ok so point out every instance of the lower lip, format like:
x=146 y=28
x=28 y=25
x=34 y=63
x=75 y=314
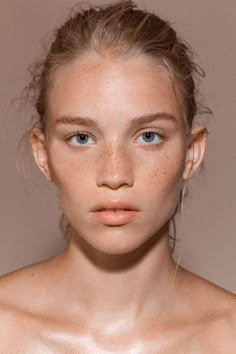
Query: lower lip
x=110 y=217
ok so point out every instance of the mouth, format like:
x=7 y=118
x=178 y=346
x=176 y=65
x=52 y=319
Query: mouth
x=115 y=213
x=115 y=217
x=115 y=206
x=114 y=210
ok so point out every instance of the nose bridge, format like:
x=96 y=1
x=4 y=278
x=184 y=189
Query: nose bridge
x=114 y=166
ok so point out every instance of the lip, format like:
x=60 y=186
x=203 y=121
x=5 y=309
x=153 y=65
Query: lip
x=115 y=204
x=109 y=217
x=118 y=217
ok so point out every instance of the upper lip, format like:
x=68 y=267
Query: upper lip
x=112 y=204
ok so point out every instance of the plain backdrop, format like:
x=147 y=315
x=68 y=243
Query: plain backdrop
x=29 y=212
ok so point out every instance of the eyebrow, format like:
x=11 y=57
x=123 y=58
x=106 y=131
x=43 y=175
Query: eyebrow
x=89 y=122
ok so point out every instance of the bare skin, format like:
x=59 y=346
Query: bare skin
x=115 y=289
x=33 y=321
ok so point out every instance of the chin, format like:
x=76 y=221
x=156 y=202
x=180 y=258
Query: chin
x=116 y=242
x=117 y=249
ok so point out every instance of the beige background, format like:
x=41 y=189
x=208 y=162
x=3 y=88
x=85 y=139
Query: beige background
x=28 y=208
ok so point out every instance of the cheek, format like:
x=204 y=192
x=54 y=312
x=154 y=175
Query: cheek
x=69 y=174
x=162 y=172
x=165 y=178
x=168 y=169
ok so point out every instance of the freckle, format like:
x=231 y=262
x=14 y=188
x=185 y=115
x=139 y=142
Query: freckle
x=154 y=174
x=32 y=275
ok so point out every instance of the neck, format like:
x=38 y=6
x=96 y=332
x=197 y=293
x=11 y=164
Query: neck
x=128 y=287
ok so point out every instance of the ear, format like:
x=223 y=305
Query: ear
x=195 y=151
x=38 y=144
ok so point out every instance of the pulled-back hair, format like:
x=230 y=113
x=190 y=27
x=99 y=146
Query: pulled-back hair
x=122 y=30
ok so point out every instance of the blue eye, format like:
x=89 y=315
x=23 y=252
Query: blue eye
x=149 y=137
x=82 y=139
x=79 y=139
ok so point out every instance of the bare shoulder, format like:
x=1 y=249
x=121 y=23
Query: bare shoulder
x=17 y=287
x=22 y=295
x=221 y=329
x=208 y=293
x=215 y=311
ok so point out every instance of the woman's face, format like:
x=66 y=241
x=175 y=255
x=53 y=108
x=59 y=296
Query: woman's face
x=117 y=157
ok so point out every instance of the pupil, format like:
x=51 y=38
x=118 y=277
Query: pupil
x=148 y=136
x=81 y=138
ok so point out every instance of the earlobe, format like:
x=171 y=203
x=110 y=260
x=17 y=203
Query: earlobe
x=40 y=152
x=195 y=151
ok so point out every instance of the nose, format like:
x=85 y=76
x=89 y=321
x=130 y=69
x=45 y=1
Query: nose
x=114 y=167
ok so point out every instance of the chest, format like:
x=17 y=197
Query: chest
x=84 y=343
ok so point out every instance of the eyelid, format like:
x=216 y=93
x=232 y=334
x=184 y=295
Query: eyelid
x=79 y=132
x=72 y=135
x=147 y=130
x=161 y=138
x=152 y=130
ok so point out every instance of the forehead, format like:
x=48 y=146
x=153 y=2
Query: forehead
x=105 y=88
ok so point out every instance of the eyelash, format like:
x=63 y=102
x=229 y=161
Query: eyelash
x=152 y=145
